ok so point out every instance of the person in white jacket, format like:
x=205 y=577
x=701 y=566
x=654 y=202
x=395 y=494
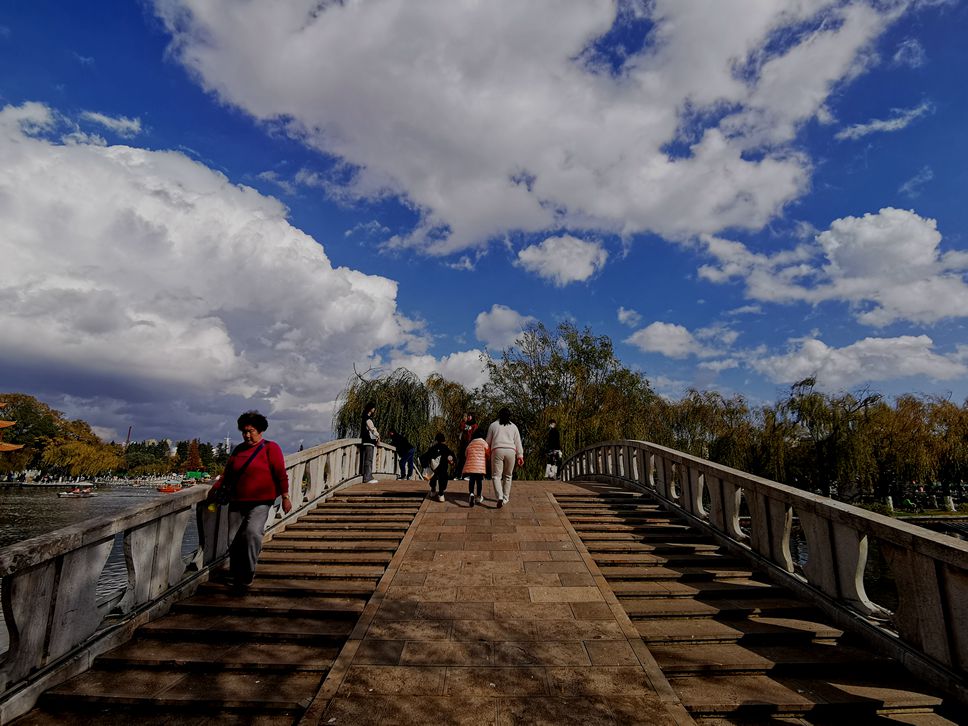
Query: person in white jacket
x=504 y=442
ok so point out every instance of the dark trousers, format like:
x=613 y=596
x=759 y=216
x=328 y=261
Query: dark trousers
x=406 y=464
x=440 y=477
x=475 y=480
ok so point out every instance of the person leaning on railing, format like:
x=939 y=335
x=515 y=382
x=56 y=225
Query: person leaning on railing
x=254 y=477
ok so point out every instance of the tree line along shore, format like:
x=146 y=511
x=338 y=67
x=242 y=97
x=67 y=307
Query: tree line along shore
x=858 y=446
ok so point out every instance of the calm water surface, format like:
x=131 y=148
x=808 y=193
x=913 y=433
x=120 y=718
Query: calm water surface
x=27 y=512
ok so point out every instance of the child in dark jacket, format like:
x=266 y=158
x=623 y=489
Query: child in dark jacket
x=440 y=475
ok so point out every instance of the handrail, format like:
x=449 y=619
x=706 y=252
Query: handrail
x=49 y=583
x=928 y=630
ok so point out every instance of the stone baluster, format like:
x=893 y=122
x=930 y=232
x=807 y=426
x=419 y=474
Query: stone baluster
x=838 y=557
x=927 y=592
x=692 y=491
x=771 y=522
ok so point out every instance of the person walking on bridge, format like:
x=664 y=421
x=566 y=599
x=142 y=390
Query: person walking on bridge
x=553 y=451
x=405 y=451
x=475 y=466
x=444 y=457
x=369 y=438
x=254 y=477
x=504 y=442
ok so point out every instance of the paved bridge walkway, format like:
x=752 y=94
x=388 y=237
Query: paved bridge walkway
x=574 y=604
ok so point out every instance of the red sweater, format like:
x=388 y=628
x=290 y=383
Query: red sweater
x=263 y=480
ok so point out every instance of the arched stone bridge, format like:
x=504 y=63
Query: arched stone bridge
x=647 y=587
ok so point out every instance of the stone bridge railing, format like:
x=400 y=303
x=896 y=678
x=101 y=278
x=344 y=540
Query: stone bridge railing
x=928 y=629
x=55 y=620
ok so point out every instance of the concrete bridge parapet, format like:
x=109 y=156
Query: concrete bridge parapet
x=927 y=631
x=55 y=621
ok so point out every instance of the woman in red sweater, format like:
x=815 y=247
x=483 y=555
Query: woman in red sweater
x=254 y=477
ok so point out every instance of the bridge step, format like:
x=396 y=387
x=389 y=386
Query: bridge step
x=836 y=699
x=161 y=654
x=215 y=604
x=713 y=590
x=257 y=658
x=718 y=659
x=682 y=574
x=760 y=630
x=336 y=557
x=736 y=648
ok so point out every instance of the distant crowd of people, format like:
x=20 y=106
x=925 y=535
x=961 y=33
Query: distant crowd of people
x=493 y=453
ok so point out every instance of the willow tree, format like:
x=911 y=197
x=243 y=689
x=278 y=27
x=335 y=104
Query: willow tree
x=449 y=401
x=948 y=426
x=77 y=451
x=836 y=429
x=570 y=376
x=403 y=403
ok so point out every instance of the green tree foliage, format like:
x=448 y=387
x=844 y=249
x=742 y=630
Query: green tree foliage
x=836 y=448
x=573 y=377
x=403 y=403
x=75 y=450
x=37 y=425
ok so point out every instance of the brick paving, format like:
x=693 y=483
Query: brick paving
x=494 y=616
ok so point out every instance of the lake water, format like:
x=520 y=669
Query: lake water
x=27 y=512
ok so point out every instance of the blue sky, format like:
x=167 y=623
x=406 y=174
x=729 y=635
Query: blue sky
x=207 y=206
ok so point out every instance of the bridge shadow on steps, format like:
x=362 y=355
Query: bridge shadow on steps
x=732 y=644
x=256 y=658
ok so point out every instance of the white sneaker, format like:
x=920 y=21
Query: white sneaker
x=373 y=481
x=470 y=500
x=507 y=499
x=480 y=500
x=440 y=498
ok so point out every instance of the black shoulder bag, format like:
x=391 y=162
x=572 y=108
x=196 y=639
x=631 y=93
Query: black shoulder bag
x=224 y=493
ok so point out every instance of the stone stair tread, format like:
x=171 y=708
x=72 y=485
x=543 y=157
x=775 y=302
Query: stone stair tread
x=300 y=526
x=337 y=535
x=330 y=546
x=686 y=539
x=328 y=558
x=698 y=658
x=669 y=528
x=226 y=689
x=118 y=715
x=313 y=568
x=269 y=602
x=151 y=653
x=254 y=625
x=689 y=608
x=702 y=589
x=631 y=546
x=744 y=693
x=362 y=587
x=658 y=572
x=700 y=559
x=756 y=628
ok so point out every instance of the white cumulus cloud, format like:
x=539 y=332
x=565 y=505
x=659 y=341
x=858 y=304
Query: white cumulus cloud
x=146 y=277
x=629 y=317
x=500 y=326
x=121 y=125
x=669 y=339
x=900 y=119
x=889 y=266
x=502 y=116
x=563 y=259
x=867 y=360
x=465 y=367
